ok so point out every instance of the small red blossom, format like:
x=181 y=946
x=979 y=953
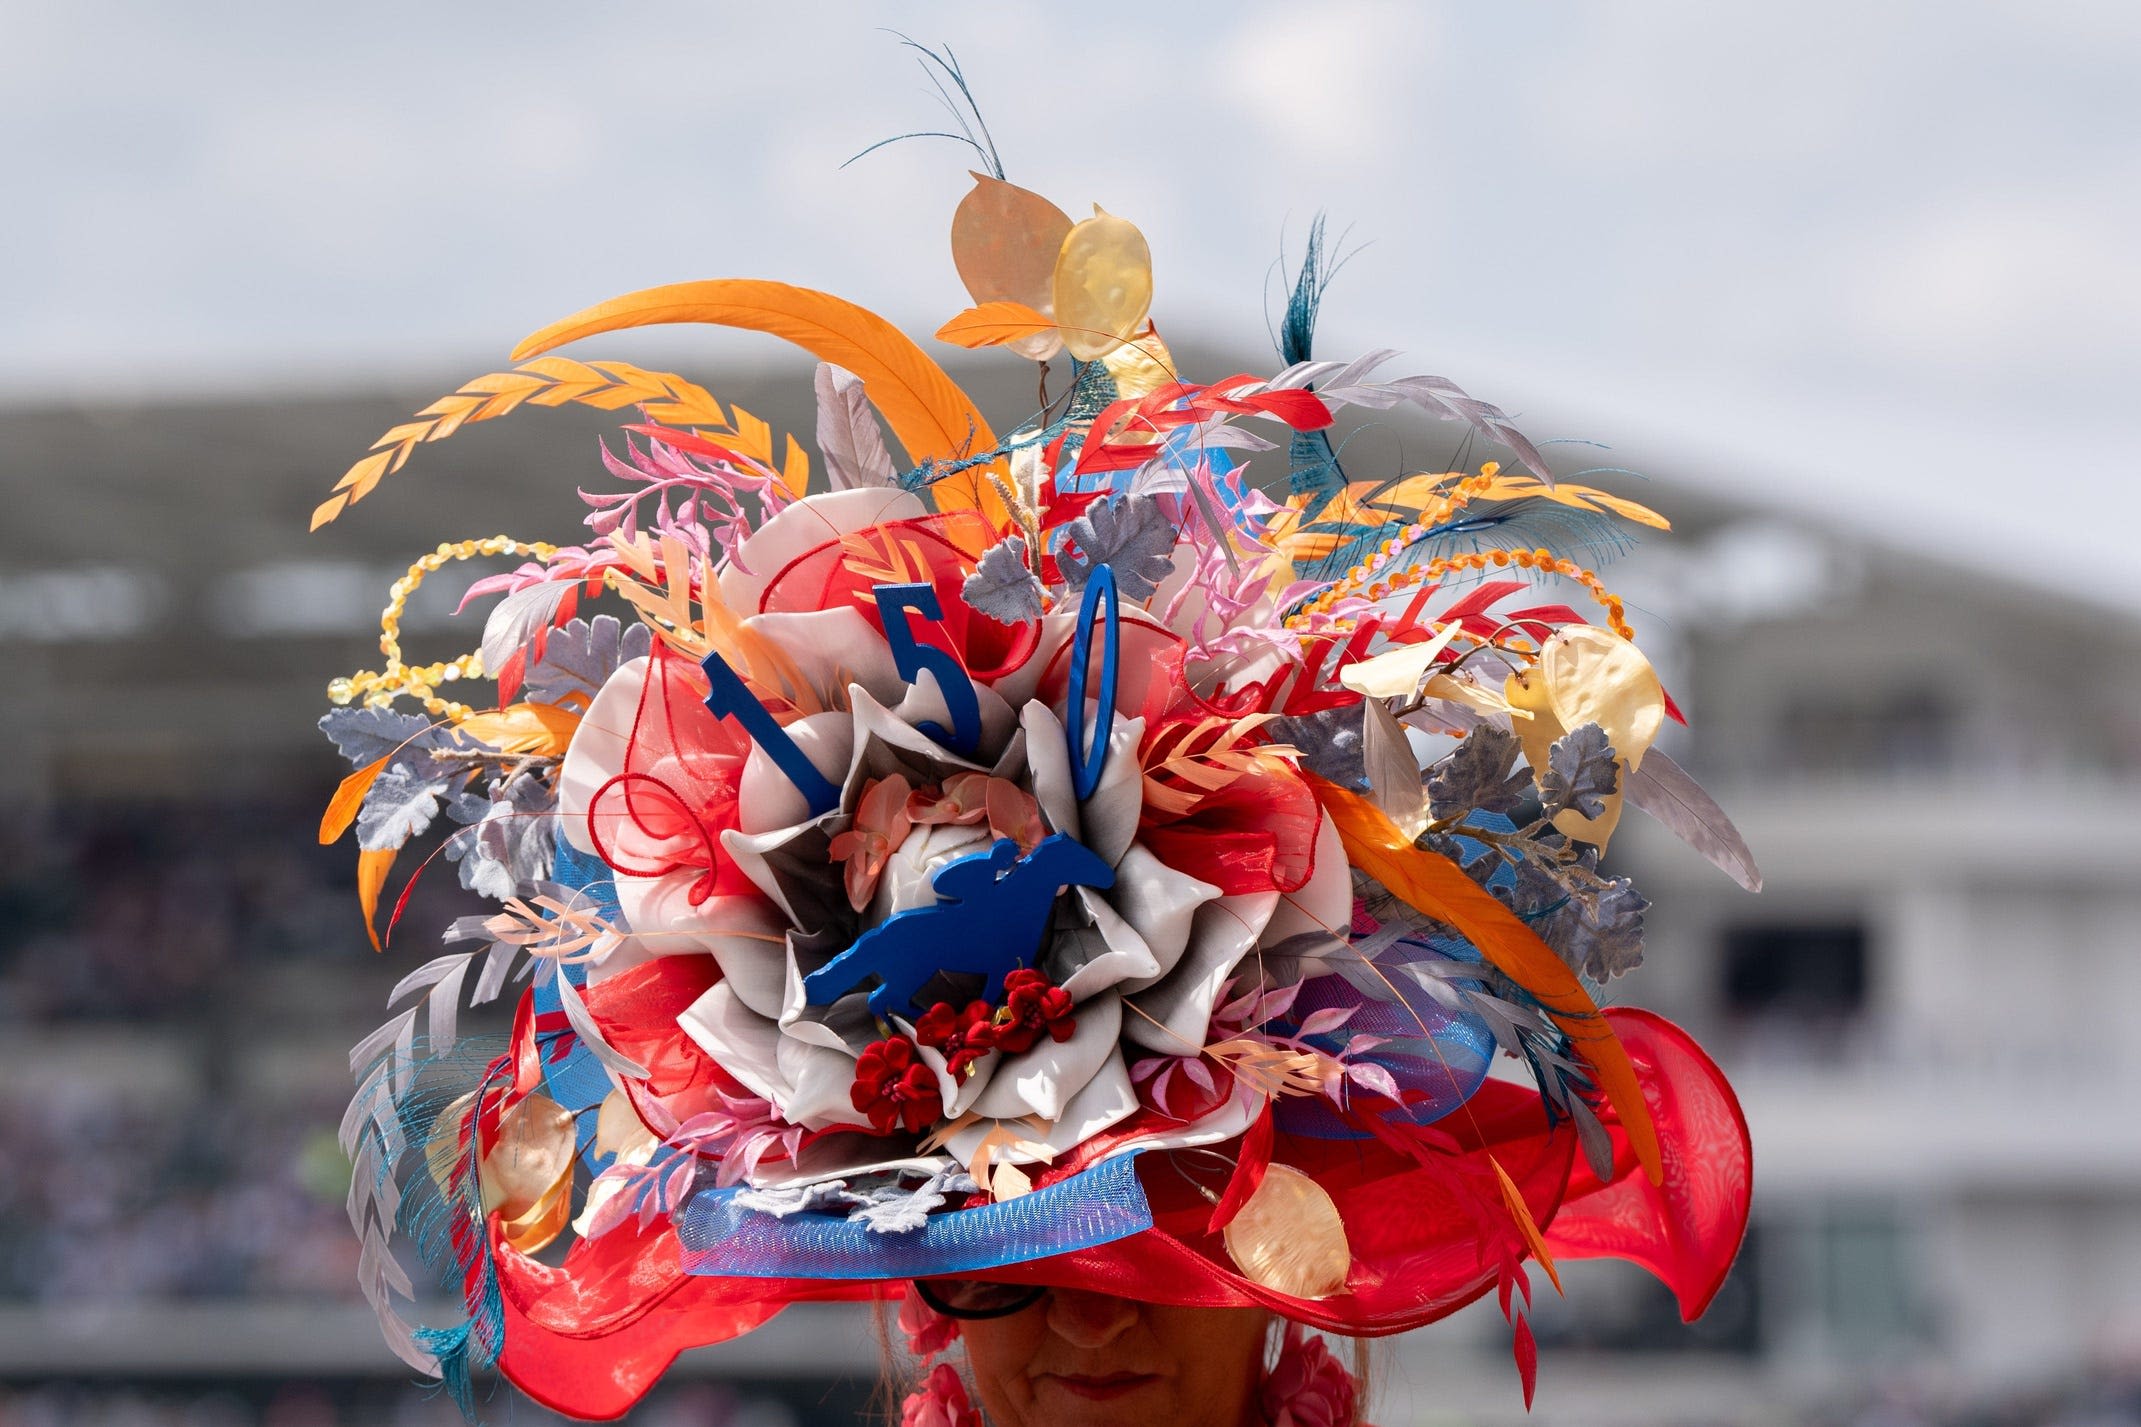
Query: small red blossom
x=1307 y=1386
x=894 y=1088
x=1032 y=1005
x=941 y=1401
x=961 y=1036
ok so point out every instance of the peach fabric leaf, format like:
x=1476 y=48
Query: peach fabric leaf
x=994 y=324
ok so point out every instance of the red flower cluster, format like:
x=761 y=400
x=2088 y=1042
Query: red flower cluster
x=1032 y=1005
x=962 y=1037
x=894 y=1088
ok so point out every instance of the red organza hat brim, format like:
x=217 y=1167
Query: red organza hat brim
x=588 y=1337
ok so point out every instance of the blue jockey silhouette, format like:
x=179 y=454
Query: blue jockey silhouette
x=995 y=911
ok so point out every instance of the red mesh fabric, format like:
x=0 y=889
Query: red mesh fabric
x=1687 y=1229
x=666 y=811
x=937 y=550
x=637 y=1012
x=1257 y=834
x=1254 y=833
x=589 y=1337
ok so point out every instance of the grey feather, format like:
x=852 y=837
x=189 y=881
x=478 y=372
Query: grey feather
x=1393 y=773
x=518 y=618
x=848 y=438
x=1664 y=789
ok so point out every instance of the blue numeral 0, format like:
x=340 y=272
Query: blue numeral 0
x=1089 y=754
x=728 y=697
x=911 y=656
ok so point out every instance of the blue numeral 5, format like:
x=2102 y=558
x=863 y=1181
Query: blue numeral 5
x=911 y=656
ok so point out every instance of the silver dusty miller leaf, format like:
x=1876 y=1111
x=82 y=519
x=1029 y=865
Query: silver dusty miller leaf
x=580 y=656
x=1131 y=535
x=403 y=800
x=1001 y=586
x=509 y=844
x=1477 y=776
x=1594 y=923
x=366 y=735
x=1580 y=773
x=827 y=1196
x=898 y=1209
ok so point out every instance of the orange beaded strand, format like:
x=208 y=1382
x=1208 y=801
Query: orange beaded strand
x=1388 y=584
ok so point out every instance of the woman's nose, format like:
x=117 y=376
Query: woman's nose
x=1089 y=1320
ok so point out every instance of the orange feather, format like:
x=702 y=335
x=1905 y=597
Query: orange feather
x=925 y=408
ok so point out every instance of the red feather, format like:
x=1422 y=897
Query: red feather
x=1527 y=1353
x=1248 y=1170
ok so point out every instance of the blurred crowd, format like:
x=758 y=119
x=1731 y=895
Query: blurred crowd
x=155 y=911
x=2112 y=1400
x=179 y=944
x=386 y=1404
x=104 y=1202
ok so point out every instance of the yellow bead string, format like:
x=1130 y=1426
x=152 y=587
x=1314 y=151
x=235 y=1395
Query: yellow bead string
x=397 y=679
x=1361 y=579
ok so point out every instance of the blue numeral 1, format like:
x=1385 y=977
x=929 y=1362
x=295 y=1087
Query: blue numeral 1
x=1089 y=755
x=911 y=656
x=728 y=697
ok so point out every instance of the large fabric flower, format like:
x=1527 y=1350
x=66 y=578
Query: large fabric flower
x=1141 y=962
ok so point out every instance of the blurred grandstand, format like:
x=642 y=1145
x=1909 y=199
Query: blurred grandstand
x=1926 y=1010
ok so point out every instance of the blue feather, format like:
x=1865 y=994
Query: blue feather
x=1313 y=470
x=443 y=1225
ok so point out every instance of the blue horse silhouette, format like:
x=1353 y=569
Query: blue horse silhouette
x=994 y=914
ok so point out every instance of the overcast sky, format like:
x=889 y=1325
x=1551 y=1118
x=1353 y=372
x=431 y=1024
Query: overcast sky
x=1876 y=257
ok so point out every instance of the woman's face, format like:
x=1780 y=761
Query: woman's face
x=1079 y=1359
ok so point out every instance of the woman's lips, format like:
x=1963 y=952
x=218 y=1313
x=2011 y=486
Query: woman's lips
x=1101 y=1388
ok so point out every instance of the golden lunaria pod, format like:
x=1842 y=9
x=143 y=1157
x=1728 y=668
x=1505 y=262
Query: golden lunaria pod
x=1595 y=676
x=527 y=1172
x=618 y=1128
x=1103 y=284
x=1004 y=242
x=1288 y=1237
x=544 y=1220
x=1585 y=674
x=1140 y=366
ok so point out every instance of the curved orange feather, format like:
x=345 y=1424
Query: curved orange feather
x=1438 y=887
x=925 y=408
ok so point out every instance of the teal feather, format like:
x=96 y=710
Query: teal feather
x=444 y=1227
x=1313 y=472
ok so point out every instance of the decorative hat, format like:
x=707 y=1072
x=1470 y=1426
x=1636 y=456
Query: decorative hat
x=1112 y=853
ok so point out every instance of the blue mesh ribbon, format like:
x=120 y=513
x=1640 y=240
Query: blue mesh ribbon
x=575 y=1079
x=722 y=1239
